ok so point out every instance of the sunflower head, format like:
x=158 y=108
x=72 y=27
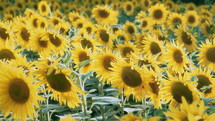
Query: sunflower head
x=158 y=13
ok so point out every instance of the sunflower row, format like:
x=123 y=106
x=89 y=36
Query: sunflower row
x=157 y=56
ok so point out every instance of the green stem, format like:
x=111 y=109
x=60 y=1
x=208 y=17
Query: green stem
x=122 y=104
x=101 y=93
x=84 y=97
x=144 y=107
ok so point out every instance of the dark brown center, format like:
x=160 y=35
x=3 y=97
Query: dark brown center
x=210 y=54
x=55 y=40
x=6 y=54
x=131 y=77
x=25 y=34
x=203 y=81
x=19 y=91
x=158 y=14
x=177 y=56
x=186 y=38
x=107 y=62
x=3 y=33
x=103 y=13
x=104 y=36
x=155 y=48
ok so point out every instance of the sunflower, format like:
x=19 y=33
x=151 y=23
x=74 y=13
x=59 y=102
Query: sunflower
x=79 y=55
x=175 y=19
x=170 y=4
x=85 y=42
x=158 y=13
x=8 y=53
x=146 y=23
x=22 y=34
x=208 y=29
x=80 y=23
x=176 y=58
x=103 y=62
x=143 y=61
x=126 y=49
x=58 y=82
x=153 y=94
x=43 y=8
x=129 y=78
x=132 y=117
x=204 y=79
x=18 y=94
x=175 y=87
x=73 y=16
x=192 y=18
x=104 y=37
x=104 y=15
x=206 y=56
x=42 y=22
x=5 y=34
x=58 y=42
x=39 y=41
x=191 y=6
x=55 y=21
x=153 y=47
x=140 y=16
x=146 y=4
x=130 y=28
x=88 y=28
x=187 y=39
x=139 y=40
x=189 y=112
x=34 y=21
x=206 y=14
x=128 y=7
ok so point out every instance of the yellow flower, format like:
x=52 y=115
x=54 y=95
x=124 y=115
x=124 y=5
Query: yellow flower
x=158 y=13
x=130 y=78
x=192 y=18
x=176 y=58
x=175 y=19
x=206 y=55
x=185 y=38
x=58 y=82
x=68 y=118
x=18 y=94
x=43 y=8
x=128 y=7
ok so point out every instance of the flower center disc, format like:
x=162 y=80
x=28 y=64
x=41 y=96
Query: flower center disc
x=144 y=23
x=58 y=81
x=131 y=77
x=177 y=55
x=103 y=13
x=155 y=48
x=43 y=8
x=25 y=34
x=178 y=90
x=6 y=54
x=107 y=62
x=126 y=51
x=131 y=29
x=19 y=91
x=177 y=21
x=3 y=33
x=104 y=36
x=54 y=40
x=158 y=14
x=128 y=8
x=185 y=38
x=191 y=19
x=86 y=43
x=210 y=54
x=203 y=81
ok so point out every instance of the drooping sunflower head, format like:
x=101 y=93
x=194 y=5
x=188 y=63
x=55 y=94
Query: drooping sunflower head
x=85 y=42
x=208 y=29
x=8 y=53
x=192 y=18
x=158 y=13
x=43 y=8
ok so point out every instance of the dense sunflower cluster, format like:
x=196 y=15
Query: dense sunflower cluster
x=151 y=50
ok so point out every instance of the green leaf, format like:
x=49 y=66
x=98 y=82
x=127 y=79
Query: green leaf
x=83 y=63
x=194 y=79
x=205 y=88
x=105 y=100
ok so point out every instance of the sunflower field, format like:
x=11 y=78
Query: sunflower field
x=107 y=60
